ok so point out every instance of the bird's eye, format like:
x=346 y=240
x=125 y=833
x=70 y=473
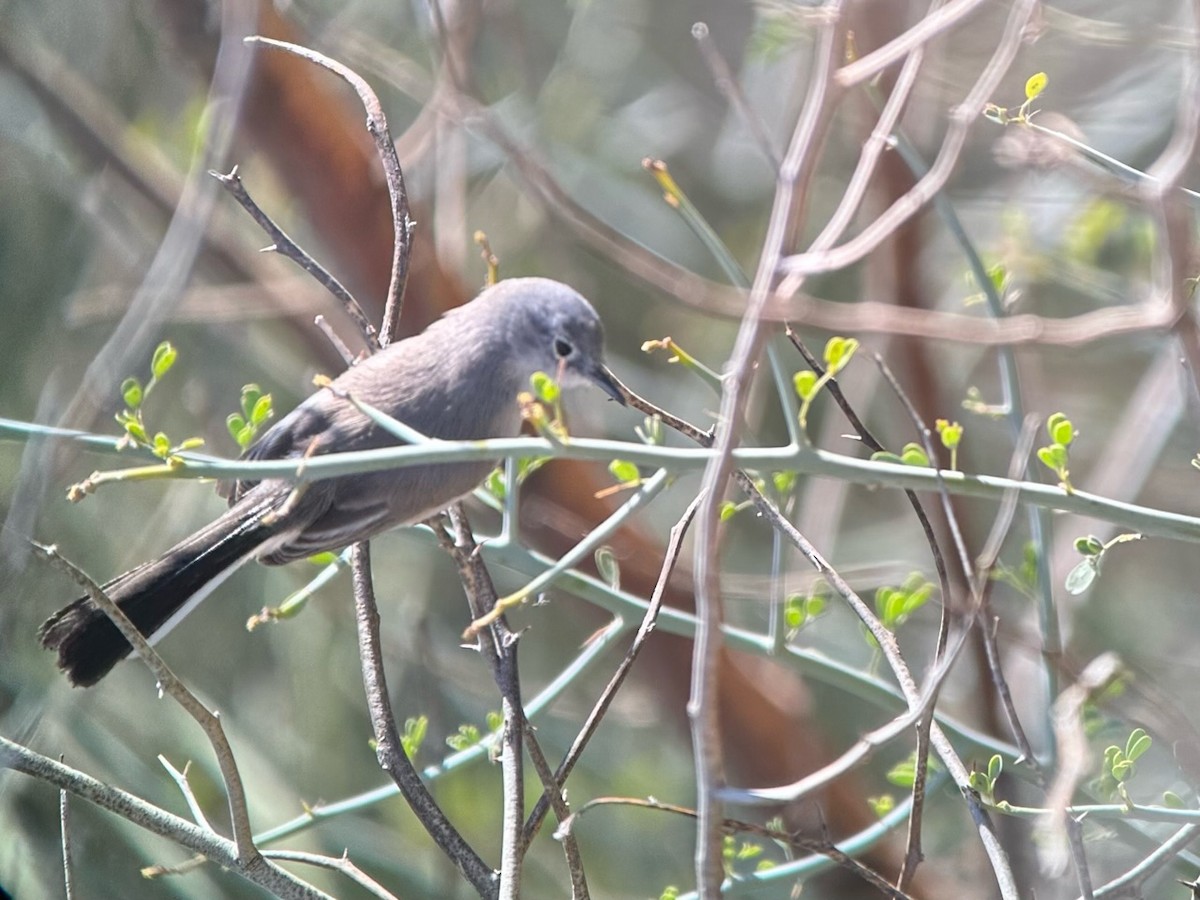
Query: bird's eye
x=563 y=348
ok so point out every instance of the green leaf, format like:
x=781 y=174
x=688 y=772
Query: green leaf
x=978 y=782
x=131 y=392
x=814 y=606
x=545 y=388
x=838 y=351
x=1080 y=578
x=324 y=558
x=162 y=444
x=1052 y=422
x=1138 y=743
x=805 y=383
x=245 y=437
x=1063 y=433
x=466 y=736
x=624 y=471
x=1172 y=800
x=1053 y=457
x=191 y=443
x=917 y=599
x=885 y=456
x=882 y=805
x=495 y=484
x=414 y=734
x=236 y=424
x=261 y=411
x=1035 y=85
x=950 y=433
x=250 y=395
x=494 y=719
x=606 y=565
x=136 y=431
x=164 y=358
x=784 y=482
x=995 y=767
x=914 y=455
x=1089 y=546
x=728 y=510
x=903 y=774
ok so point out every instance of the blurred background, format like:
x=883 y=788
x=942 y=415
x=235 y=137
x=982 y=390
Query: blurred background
x=529 y=120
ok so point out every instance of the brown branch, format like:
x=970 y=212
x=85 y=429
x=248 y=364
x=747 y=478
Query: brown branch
x=282 y=244
x=402 y=224
x=220 y=850
x=388 y=748
x=169 y=683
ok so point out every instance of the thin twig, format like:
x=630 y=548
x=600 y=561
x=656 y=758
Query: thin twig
x=218 y=849
x=728 y=85
x=558 y=802
x=829 y=259
x=736 y=826
x=388 y=747
x=64 y=825
x=340 y=864
x=377 y=127
x=500 y=654
x=793 y=176
x=185 y=788
x=334 y=339
x=209 y=721
x=670 y=557
x=282 y=244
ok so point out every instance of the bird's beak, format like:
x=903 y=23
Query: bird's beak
x=608 y=383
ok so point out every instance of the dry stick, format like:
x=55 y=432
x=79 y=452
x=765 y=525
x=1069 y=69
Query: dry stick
x=134 y=809
x=64 y=824
x=822 y=257
x=1004 y=520
x=929 y=27
x=340 y=864
x=1162 y=196
x=670 y=557
x=388 y=747
x=558 y=802
x=210 y=722
x=827 y=258
x=332 y=336
x=169 y=683
x=792 y=180
x=1073 y=765
x=402 y=224
x=864 y=316
x=913 y=854
x=729 y=87
x=502 y=661
x=908 y=687
x=983 y=565
x=733 y=826
x=282 y=244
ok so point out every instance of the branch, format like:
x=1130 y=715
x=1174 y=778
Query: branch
x=133 y=809
x=388 y=747
x=378 y=129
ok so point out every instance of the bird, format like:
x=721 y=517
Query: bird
x=457 y=380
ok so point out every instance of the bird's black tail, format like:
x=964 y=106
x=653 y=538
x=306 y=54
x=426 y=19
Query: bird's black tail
x=88 y=643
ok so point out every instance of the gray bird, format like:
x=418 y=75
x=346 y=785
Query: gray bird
x=457 y=380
